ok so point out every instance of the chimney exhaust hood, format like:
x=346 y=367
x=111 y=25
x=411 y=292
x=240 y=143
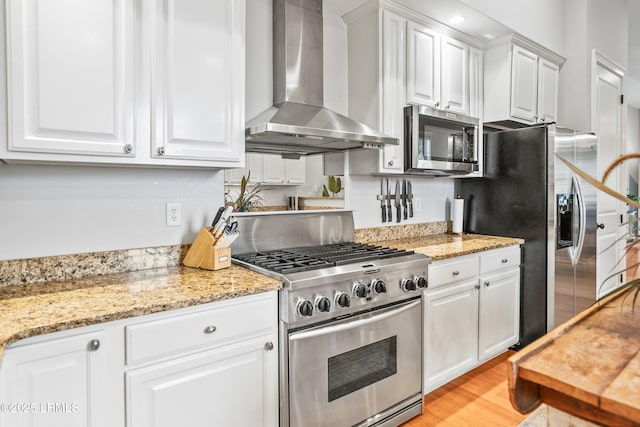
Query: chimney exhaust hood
x=298 y=124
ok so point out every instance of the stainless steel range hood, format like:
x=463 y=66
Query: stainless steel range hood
x=298 y=124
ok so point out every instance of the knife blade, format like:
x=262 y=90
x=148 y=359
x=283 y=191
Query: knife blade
x=410 y=198
x=398 y=200
x=404 y=199
x=389 y=209
x=383 y=201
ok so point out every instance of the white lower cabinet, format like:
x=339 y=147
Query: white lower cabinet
x=471 y=312
x=213 y=364
x=68 y=381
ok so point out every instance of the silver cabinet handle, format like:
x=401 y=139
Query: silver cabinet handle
x=504 y=261
x=477 y=287
x=455 y=273
x=128 y=148
x=268 y=346
x=390 y=163
x=448 y=106
x=210 y=329
x=600 y=226
x=486 y=284
x=94 y=345
x=161 y=151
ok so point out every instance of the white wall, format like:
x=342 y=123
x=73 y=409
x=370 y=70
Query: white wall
x=539 y=20
x=57 y=210
x=633 y=141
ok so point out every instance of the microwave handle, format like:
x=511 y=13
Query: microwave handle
x=352 y=324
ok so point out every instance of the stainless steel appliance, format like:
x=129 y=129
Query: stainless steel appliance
x=526 y=192
x=439 y=142
x=297 y=123
x=350 y=319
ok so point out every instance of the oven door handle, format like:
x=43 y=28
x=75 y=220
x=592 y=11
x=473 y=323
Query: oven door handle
x=352 y=324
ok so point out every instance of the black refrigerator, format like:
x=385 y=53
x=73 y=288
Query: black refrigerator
x=518 y=197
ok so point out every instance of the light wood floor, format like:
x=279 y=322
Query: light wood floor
x=479 y=398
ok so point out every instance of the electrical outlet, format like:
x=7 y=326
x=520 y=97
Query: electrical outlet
x=417 y=204
x=174 y=214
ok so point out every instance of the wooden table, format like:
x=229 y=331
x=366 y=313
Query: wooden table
x=588 y=367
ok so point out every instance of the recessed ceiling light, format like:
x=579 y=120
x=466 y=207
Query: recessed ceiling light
x=489 y=36
x=457 y=19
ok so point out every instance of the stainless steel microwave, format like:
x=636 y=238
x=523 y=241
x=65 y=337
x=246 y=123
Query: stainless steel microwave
x=439 y=142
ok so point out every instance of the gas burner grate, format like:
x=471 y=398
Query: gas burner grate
x=286 y=261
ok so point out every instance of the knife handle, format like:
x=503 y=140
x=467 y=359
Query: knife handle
x=410 y=210
x=398 y=212
x=406 y=211
x=384 y=214
x=389 y=216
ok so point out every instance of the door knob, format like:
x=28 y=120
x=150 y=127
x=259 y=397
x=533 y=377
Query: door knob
x=600 y=226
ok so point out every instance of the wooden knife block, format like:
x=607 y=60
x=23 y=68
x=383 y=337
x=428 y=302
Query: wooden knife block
x=203 y=255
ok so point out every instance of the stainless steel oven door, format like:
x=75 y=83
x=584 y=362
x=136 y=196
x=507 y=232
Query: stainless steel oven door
x=344 y=372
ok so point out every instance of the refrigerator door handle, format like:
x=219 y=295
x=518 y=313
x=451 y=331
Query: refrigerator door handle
x=576 y=251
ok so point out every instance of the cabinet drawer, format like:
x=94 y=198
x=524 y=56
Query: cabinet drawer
x=191 y=331
x=441 y=273
x=500 y=259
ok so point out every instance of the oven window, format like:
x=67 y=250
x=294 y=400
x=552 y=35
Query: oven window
x=361 y=367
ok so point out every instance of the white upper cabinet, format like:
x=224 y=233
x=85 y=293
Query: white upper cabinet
x=150 y=82
x=197 y=79
x=423 y=65
x=70 y=77
x=269 y=169
x=437 y=70
x=520 y=84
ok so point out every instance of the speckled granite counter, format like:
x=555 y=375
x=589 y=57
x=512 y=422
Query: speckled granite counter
x=31 y=310
x=442 y=246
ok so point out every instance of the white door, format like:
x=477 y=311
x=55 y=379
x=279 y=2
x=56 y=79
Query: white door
x=499 y=313
x=232 y=386
x=423 y=65
x=450 y=333
x=547 y=91
x=197 y=79
x=455 y=76
x=607 y=124
x=524 y=92
x=70 y=77
x=64 y=382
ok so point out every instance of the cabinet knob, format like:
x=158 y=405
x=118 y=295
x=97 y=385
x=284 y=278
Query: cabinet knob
x=600 y=226
x=210 y=329
x=504 y=261
x=477 y=287
x=486 y=284
x=455 y=273
x=390 y=163
x=161 y=151
x=128 y=148
x=448 y=106
x=94 y=345
x=268 y=346
x=437 y=104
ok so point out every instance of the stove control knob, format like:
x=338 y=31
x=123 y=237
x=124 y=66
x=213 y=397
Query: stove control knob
x=343 y=300
x=379 y=287
x=360 y=290
x=408 y=285
x=305 y=308
x=323 y=304
x=421 y=282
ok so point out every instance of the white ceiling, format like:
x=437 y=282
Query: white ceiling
x=478 y=25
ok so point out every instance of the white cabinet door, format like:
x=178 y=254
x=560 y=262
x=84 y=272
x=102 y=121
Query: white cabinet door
x=547 y=91
x=255 y=166
x=475 y=85
x=66 y=382
x=524 y=87
x=274 y=170
x=450 y=332
x=393 y=92
x=197 y=80
x=499 y=313
x=454 y=81
x=70 y=77
x=236 y=385
x=295 y=171
x=423 y=65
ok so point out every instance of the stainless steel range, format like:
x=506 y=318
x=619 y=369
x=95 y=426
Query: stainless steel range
x=350 y=319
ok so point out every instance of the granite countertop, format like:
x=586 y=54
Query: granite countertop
x=36 y=309
x=588 y=367
x=443 y=246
